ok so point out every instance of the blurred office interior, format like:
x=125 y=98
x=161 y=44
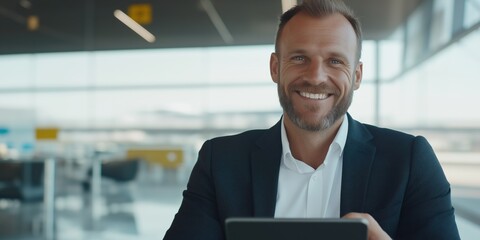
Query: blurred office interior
x=100 y=127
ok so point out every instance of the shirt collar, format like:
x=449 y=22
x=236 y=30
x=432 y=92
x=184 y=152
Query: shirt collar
x=292 y=163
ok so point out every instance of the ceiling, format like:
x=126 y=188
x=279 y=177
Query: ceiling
x=89 y=25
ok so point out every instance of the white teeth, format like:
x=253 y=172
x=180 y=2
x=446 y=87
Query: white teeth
x=316 y=96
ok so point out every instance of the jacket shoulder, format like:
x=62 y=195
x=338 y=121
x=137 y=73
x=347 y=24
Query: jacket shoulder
x=244 y=137
x=379 y=132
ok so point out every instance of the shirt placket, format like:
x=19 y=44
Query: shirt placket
x=314 y=194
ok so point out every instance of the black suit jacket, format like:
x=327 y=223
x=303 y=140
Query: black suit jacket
x=393 y=176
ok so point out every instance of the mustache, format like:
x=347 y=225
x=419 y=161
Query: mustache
x=320 y=88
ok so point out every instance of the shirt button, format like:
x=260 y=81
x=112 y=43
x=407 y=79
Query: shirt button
x=314 y=178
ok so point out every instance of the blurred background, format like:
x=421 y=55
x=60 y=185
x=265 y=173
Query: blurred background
x=105 y=104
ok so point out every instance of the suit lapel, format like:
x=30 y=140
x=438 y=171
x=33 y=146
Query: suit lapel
x=265 y=169
x=357 y=161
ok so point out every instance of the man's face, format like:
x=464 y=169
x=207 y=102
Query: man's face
x=316 y=69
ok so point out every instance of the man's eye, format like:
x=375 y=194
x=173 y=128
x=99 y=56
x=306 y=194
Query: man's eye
x=298 y=58
x=335 y=61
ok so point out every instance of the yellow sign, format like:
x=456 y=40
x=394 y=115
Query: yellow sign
x=46 y=133
x=140 y=13
x=167 y=158
x=33 y=22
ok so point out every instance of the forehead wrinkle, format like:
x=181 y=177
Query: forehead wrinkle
x=296 y=51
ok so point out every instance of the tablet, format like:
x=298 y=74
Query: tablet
x=295 y=228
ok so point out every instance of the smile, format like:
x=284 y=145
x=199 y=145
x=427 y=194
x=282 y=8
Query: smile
x=314 y=96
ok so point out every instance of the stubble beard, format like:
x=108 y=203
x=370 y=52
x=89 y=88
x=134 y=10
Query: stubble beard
x=322 y=123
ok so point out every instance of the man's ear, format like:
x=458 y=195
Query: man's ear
x=274 y=67
x=358 y=75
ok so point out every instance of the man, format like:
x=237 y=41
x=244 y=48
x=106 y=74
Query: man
x=318 y=161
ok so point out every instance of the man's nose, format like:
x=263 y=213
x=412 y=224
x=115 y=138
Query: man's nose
x=317 y=72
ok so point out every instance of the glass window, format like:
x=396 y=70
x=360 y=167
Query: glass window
x=472 y=13
x=64 y=108
x=440 y=92
x=369 y=61
x=391 y=55
x=363 y=103
x=416 y=35
x=239 y=64
x=442 y=21
x=16 y=71
x=152 y=67
x=61 y=69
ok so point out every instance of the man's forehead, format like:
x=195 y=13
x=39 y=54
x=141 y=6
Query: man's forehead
x=333 y=28
x=332 y=21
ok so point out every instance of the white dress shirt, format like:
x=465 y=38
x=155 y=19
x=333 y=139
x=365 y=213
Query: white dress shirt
x=304 y=192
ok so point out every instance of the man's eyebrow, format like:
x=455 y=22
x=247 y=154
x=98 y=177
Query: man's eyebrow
x=296 y=51
x=339 y=55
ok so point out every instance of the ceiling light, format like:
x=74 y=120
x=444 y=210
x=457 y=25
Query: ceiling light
x=125 y=19
x=33 y=23
x=217 y=21
x=25 y=4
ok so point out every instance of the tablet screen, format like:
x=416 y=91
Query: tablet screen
x=295 y=229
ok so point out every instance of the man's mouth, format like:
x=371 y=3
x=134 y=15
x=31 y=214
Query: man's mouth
x=314 y=96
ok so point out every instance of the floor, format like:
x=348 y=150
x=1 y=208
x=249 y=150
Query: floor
x=145 y=209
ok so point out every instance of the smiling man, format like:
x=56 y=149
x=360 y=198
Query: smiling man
x=317 y=161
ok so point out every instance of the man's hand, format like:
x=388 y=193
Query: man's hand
x=375 y=232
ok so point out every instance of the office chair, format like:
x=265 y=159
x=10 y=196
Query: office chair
x=120 y=171
x=117 y=176
x=21 y=181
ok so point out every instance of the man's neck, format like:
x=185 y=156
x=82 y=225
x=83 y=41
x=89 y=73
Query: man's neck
x=310 y=147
